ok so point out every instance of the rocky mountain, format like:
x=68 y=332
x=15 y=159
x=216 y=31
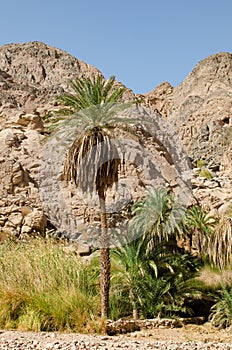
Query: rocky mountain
x=199 y=111
x=201 y=107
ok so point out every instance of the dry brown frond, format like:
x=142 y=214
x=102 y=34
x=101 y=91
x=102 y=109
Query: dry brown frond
x=92 y=161
x=220 y=248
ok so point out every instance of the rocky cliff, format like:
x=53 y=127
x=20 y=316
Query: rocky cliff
x=33 y=74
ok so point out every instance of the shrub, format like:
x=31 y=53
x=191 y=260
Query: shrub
x=200 y=163
x=205 y=173
x=152 y=282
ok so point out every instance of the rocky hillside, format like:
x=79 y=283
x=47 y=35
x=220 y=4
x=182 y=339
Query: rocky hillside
x=33 y=74
x=200 y=109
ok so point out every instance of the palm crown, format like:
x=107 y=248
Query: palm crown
x=90 y=92
x=92 y=161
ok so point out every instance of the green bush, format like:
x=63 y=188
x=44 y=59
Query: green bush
x=154 y=282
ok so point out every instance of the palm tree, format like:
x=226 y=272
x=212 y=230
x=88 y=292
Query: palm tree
x=198 y=225
x=136 y=266
x=152 y=227
x=157 y=218
x=156 y=281
x=92 y=161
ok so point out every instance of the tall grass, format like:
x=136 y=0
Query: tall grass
x=42 y=288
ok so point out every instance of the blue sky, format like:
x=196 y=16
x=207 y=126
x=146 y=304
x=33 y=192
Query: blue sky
x=142 y=43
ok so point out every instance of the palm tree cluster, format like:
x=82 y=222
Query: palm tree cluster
x=156 y=273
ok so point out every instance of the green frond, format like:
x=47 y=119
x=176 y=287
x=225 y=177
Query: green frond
x=91 y=92
x=116 y=95
x=157 y=216
x=107 y=87
x=221 y=312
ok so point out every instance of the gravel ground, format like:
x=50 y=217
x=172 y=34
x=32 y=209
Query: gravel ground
x=172 y=339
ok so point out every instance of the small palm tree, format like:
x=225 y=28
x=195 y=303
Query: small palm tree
x=157 y=218
x=153 y=227
x=92 y=161
x=199 y=225
x=157 y=281
x=135 y=265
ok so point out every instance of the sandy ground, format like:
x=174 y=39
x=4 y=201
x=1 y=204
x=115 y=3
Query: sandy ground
x=194 y=333
x=187 y=337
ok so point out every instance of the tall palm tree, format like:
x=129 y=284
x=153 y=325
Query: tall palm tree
x=92 y=161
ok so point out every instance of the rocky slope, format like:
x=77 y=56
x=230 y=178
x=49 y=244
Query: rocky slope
x=200 y=109
x=33 y=74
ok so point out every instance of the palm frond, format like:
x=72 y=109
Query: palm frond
x=91 y=92
x=221 y=312
x=92 y=162
x=201 y=225
x=157 y=216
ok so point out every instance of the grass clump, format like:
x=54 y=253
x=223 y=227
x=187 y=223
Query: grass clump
x=42 y=288
x=203 y=171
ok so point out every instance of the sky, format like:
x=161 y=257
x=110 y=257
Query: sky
x=143 y=43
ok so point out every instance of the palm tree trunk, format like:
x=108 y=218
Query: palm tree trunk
x=135 y=310
x=104 y=259
x=135 y=313
x=189 y=242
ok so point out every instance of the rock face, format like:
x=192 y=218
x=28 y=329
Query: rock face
x=33 y=74
x=201 y=111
